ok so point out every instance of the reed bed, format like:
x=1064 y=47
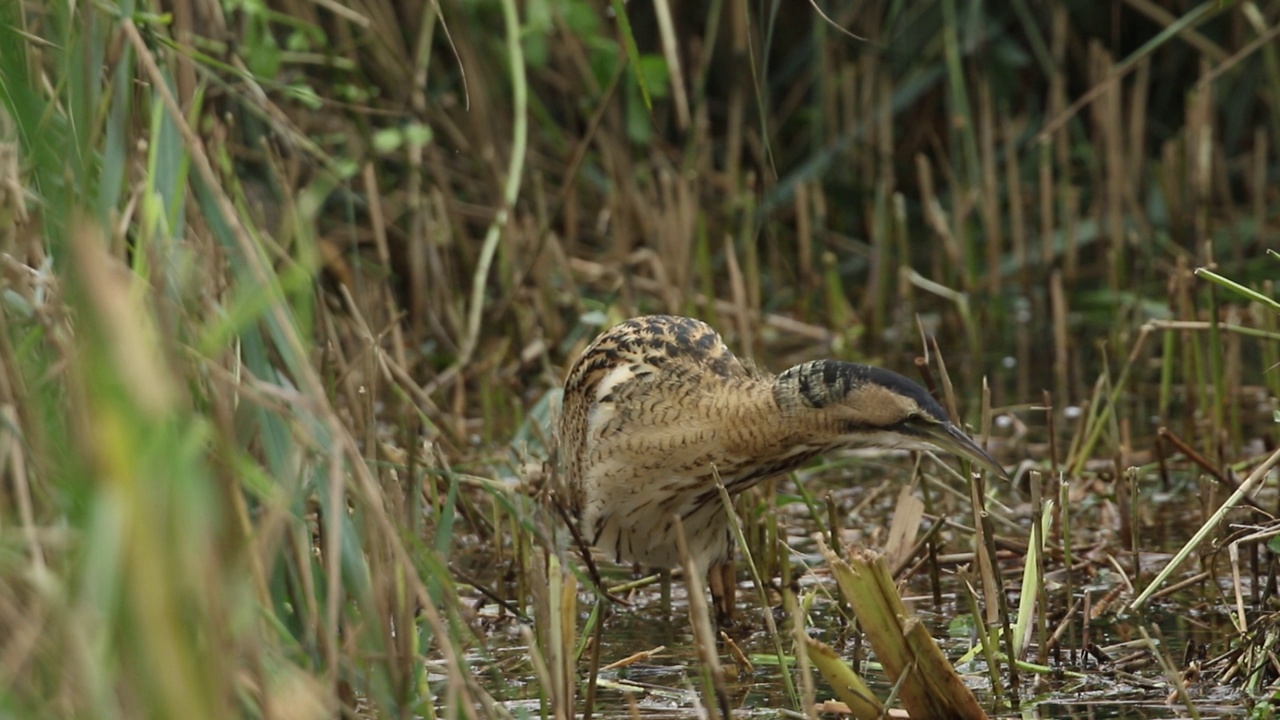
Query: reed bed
x=289 y=287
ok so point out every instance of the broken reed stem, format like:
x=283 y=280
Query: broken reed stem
x=1002 y=607
x=983 y=550
x=799 y=635
x=1041 y=542
x=564 y=618
x=929 y=685
x=1167 y=435
x=510 y=194
x=1068 y=559
x=700 y=620
x=1105 y=412
x=1030 y=592
x=736 y=528
x=983 y=632
x=1170 y=673
x=593 y=673
x=1246 y=488
x=1122 y=68
x=847 y=684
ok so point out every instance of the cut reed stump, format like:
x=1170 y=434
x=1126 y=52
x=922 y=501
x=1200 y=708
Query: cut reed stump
x=926 y=682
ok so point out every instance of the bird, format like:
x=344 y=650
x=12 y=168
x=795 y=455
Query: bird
x=657 y=407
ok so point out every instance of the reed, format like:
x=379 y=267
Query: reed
x=288 y=288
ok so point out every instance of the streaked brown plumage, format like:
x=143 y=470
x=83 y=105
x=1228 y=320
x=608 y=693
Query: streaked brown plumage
x=657 y=404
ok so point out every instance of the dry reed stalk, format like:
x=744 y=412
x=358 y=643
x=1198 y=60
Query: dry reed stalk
x=1115 y=175
x=992 y=224
x=805 y=273
x=928 y=685
x=700 y=621
x=849 y=687
x=903 y=528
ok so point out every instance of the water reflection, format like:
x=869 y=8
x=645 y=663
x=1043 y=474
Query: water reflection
x=1131 y=684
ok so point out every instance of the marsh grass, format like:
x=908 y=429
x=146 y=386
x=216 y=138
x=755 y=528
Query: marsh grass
x=288 y=288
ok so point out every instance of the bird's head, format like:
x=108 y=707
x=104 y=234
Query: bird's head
x=873 y=407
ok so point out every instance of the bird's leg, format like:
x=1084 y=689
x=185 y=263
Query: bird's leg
x=722 y=579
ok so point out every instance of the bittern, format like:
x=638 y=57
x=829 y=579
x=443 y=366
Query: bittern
x=657 y=406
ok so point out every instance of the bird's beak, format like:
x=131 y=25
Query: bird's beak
x=946 y=436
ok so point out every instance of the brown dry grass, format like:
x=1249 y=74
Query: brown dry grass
x=281 y=324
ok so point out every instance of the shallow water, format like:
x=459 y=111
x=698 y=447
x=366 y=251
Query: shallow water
x=864 y=488
x=668 y=684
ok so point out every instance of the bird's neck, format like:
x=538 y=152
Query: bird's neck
x=781 y=416
x=760 y=438
x=813 y=400
x=814 y=385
